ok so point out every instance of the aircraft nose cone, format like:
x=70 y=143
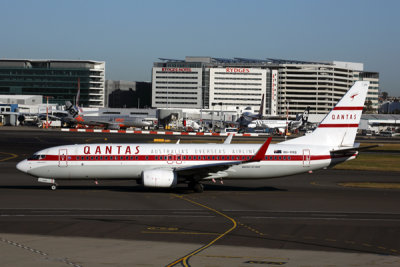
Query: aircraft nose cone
x=23 y=166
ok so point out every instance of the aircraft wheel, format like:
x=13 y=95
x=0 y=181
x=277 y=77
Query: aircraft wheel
x=198 y=188
x=53 y=187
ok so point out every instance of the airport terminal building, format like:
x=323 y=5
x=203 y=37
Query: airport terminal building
x=234 y=84
x=57 y=79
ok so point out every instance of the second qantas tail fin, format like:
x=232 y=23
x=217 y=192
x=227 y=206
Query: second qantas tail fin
x=339 y=127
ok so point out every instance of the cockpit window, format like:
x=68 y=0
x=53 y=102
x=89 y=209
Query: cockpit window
x=33 y=157
x=36 y=157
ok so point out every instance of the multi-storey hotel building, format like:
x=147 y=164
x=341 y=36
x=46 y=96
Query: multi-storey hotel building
x=178 y=86
x=287 y=85
x=373 y=89
x=57 y=79
x=237 y=86
x=318 y=85
x=204 y=82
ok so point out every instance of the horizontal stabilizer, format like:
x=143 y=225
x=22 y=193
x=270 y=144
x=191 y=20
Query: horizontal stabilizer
x=350 y=151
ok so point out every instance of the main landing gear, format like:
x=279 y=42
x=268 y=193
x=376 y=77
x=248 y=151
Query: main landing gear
x=196 y=187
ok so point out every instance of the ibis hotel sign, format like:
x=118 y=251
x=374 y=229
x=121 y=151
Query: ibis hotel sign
x=176 y=69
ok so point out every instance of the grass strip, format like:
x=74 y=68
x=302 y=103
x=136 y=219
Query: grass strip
x=372 y=162
x=371 y=185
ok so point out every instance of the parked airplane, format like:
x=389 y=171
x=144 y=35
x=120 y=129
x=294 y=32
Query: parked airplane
x=281 y=125
x=111 y=122
x=30 y=118
x=166 y=165
x=249 y=116
x=256 y=120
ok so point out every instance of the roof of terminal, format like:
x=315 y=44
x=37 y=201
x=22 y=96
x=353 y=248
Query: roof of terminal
x=250 y=60
x=381 y=116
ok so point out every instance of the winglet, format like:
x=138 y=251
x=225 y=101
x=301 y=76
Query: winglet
x=261 y=152
x=228 y=139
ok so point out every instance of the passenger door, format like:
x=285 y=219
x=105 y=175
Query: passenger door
x=62 y=158
x=306 y=157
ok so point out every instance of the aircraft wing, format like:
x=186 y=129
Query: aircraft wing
x=199 y=172
x=107 y=124
x=202 y=171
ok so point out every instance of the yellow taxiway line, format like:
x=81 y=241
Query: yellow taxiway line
x=13 y=156
x=184 y=260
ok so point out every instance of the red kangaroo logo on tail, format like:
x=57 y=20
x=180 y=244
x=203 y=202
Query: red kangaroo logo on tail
x=353 y=96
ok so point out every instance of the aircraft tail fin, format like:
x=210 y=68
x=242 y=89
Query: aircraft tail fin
x=71 y=109
x=304 y=116
x=78 y=96
x=74 y=110
x=339 y=127
x=261 y=111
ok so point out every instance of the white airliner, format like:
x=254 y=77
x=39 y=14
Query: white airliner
x=166 y=165
x=281 y=125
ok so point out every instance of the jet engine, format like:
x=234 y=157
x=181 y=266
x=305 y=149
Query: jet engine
x=159 y=178
x=113 y=126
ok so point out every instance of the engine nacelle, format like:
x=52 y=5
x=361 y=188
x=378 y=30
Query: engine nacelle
x=159 y=178
x=113 y=126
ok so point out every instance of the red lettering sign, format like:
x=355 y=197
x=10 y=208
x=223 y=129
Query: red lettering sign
x=176 y=69
x=237 y=70
x=344 y=116
x=108 y=150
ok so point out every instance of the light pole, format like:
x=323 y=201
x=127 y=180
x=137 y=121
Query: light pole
x=287 y=119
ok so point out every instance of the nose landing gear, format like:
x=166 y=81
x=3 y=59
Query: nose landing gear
x=48 y=181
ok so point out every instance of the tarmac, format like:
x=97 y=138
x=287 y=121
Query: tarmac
x=302 y=220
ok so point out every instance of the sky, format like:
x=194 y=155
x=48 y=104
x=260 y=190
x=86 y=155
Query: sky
x=130 y=35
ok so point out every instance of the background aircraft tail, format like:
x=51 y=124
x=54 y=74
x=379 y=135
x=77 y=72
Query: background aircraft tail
x=304 y=116
x=72 y=110
x=339 y=127
x=261 y=111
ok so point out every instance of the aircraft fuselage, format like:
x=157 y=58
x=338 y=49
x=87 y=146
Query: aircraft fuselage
x=128 y=161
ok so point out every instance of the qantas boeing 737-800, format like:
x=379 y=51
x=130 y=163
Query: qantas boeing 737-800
x=166 y=165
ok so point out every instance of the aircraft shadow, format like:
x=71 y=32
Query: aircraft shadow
x=141 y=189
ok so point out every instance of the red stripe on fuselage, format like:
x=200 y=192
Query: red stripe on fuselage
x=348 y=108
x=188 y=158
x=343 y=125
